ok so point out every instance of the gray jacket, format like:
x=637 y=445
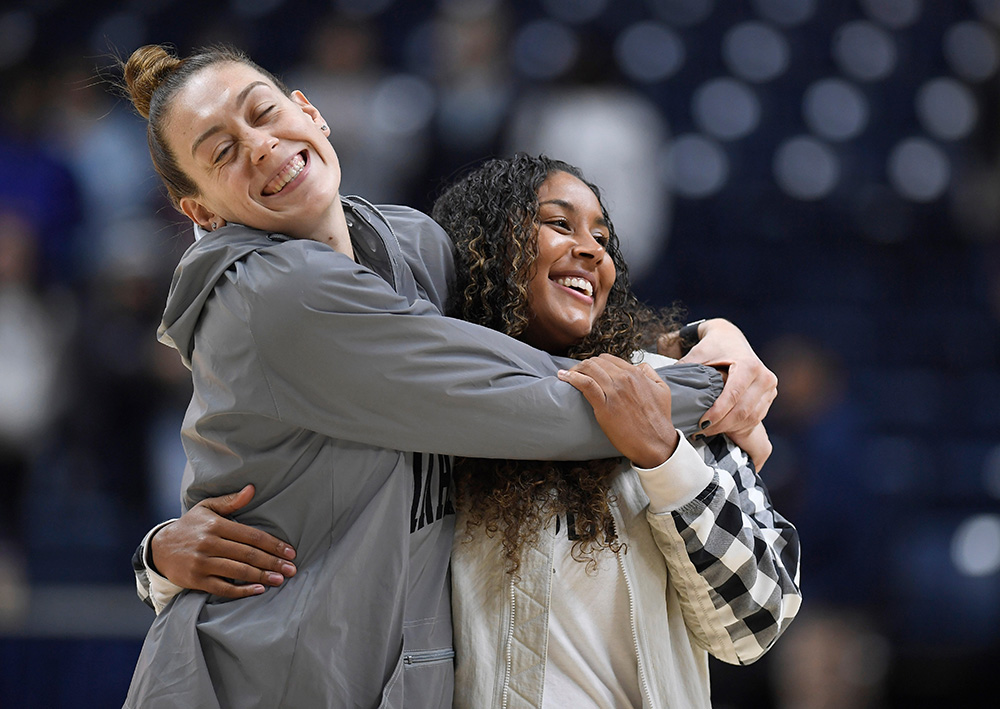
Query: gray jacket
x=322 y=381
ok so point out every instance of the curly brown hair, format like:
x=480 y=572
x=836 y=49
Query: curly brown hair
x=491 y=215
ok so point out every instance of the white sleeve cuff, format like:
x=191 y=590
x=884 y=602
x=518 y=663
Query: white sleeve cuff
x=161 y=590
x=678 y=480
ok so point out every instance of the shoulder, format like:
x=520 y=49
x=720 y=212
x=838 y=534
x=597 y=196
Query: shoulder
x=415 y=230
x=294 y=275
x=426 y=248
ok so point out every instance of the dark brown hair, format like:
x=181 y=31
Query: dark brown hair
x=152 y=76
x=491 y=215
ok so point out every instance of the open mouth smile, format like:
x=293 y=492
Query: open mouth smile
x=292 y=169
x=578 y=285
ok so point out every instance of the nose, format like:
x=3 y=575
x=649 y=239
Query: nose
x=261 y=145
x=589 y=248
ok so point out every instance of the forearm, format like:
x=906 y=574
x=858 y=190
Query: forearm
x=730 y=538
x=352 y=359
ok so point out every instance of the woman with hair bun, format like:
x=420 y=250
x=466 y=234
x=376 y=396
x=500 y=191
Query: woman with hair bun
x=323 y=374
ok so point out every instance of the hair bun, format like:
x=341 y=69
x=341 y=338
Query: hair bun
x=144 y=71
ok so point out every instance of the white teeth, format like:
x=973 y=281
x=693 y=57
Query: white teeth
x=291 y=171
x=580 y=284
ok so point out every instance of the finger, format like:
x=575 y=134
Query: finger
x=651 y=374
x=754 y=442
x=229 y=569
x=231 y=530
x=716 y=420
x=248 y=556
x=604 y=370
x=586 y=385
x=228 y=504
x=227 y=589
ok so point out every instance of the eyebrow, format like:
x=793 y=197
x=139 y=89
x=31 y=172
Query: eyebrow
x=240 y=98
x=601 y=221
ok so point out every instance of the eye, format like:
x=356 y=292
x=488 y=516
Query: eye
x=220 y=157
x=602 y=239
x=263 y=114
x=559 y=222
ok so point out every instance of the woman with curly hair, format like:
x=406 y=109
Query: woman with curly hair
x=596 y=583
x=616 y=581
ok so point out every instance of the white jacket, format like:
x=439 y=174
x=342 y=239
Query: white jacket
x=678 y=567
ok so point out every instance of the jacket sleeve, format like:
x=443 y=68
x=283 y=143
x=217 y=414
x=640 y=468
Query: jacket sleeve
x=343 y=354
x=154 y=590
x=732 y=558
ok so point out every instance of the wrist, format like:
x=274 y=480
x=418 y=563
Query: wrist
x=690 y=335
x=151 y=545
x=658 y=455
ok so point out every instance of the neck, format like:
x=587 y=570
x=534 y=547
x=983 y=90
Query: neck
x=335 y=233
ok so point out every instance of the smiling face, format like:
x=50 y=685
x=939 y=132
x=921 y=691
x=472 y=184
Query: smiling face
x=573 y=274
x=258 y=157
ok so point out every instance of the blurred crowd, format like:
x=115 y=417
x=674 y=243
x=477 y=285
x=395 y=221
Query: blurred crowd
x=858 y=248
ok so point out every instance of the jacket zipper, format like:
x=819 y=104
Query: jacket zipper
x=424 y=657
x=635 y=635
x=509 y=643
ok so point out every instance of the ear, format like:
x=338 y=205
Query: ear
x=200 y=214
x=302 y=102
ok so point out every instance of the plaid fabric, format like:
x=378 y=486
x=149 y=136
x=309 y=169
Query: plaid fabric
x=730 y=545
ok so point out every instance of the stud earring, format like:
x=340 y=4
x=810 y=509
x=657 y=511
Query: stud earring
x=324 y=128
x=215 y=225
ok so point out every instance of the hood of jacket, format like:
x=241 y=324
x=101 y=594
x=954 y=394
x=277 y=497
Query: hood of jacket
x=200 y=268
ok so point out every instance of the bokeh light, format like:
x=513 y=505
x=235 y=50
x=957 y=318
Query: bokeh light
x=544 y=49
x=695 y=166
x=893 y=13
x=835 y=109
x=649 y=51
x=864 y=51
x=975 y=548
x=971 y=50
x=726 y=108
x=806 y=168
x=403 y=104
x=919 y=170
x=755 y=51
x=946 y=108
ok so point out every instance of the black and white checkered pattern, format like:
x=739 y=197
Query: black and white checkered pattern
x=744 y=555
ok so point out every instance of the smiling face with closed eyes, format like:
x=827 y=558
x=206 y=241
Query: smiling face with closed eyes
x=573 y=274
x=258 y=156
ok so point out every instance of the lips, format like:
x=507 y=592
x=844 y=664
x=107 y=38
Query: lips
x=576 y=283
x=291 y=169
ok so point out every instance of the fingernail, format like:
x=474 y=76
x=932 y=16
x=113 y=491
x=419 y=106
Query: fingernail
x=288 y=552
x=257 y=589
x=288 y=569
x=705 y=424
x=275 y=579
x=697 y=437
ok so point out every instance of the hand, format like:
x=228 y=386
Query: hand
x=632 y=405
x=749 y=389
x=205 y=551
x=755 y=443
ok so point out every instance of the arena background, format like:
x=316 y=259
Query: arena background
x=824 y=174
